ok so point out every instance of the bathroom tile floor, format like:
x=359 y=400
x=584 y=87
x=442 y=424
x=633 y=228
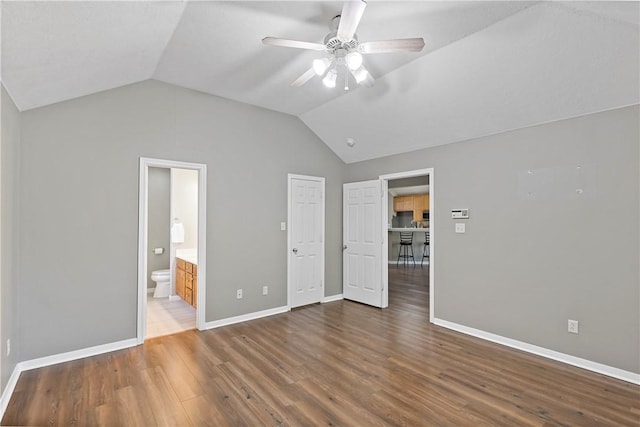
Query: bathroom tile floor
x=166 y=317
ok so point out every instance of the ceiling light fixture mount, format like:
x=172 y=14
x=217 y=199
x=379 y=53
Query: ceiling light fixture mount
x=343 y=58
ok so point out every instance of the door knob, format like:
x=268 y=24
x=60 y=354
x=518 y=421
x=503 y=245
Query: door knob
x=295 y=250
x=344 y=247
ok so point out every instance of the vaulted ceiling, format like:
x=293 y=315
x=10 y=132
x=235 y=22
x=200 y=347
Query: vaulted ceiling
x=487 y=67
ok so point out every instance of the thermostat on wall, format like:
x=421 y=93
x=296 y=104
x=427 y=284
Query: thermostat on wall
x=459 y=213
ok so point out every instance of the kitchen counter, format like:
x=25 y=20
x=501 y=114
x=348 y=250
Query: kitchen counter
x=411 y=230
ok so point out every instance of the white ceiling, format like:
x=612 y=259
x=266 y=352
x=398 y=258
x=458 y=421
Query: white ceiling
x=487 y=67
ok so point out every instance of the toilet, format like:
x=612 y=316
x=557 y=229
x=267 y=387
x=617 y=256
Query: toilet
x=163 y=283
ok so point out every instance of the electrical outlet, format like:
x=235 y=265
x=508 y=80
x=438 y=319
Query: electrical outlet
x=572 y=326
x=8 y=346
x=239 y=294
x=265 y=290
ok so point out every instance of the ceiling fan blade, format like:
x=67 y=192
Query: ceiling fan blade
x=350 y=18
x=391 y=46
x=274 y=41
x=304 y=78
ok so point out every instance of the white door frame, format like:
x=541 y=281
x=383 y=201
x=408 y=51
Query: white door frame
x=143 y=206
x=321 y=180
x=385 y=233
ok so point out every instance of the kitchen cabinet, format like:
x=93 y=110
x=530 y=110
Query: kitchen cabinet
x=417 y=215
x=403 y=203
x=416 y=204
x=420 y=204
x=187 y=281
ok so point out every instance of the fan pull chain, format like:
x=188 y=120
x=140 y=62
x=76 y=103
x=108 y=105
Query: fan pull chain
x=346 y=79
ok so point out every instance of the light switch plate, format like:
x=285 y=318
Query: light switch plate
x=460 y=227
x=283 y=226
x=573 y=326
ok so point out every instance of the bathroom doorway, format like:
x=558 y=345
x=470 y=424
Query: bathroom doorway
x=171 y=247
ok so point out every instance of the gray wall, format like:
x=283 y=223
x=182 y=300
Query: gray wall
x=409 y=182
x=535 y=252
x=9 y=157
x=79 y=214
x=159 y=186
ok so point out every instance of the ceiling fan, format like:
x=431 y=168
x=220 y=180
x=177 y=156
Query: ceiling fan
x=343 y=50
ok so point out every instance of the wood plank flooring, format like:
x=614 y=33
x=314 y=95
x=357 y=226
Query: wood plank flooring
x=336 y=364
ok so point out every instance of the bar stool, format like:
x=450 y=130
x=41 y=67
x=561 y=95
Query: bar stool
x=426 y=251
x=406 y=244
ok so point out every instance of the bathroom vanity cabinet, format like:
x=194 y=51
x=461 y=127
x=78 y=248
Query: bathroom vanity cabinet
x=187 y=281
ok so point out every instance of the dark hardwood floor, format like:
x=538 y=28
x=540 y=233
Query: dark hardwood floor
x=336 y=364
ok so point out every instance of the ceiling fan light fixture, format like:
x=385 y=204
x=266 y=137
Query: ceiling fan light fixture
x=330 y=79
x=320 y=65
x=354 y=60
x=343 y=50
x=360 y=74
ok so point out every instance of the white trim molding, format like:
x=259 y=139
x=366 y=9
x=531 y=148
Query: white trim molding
x=8 y=390
x=76 y=354
x=332 y=298
x=245 y=317
x=544 y=352
x=145 y=164
x=41 y=362
x=385 y=235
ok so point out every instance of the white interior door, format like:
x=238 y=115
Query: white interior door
x=362 y=242
x=306 y=240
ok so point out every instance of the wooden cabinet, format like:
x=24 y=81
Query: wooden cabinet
x=187 y=281
x=417 y=215
x=180 y=282
x=420 y=204
x=403 y=203
x=398 y=203
x=423 y=202
x=416 y=204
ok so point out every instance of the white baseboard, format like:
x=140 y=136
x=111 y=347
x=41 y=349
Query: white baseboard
x=174 y=297
x=77 y=354
x=55 y=359
x=8 y=390
x=544 y=352
x=332 y=298
x=245 y=317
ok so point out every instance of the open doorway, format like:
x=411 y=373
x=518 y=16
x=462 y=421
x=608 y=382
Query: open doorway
x=408 y=240
x=171 y=255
